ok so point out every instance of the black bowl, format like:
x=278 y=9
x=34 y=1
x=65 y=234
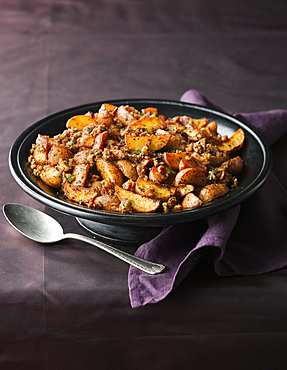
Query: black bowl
x=137 y=228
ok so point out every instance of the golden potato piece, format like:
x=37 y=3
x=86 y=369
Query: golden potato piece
x=87 y=141
x=40 y=154
x=191 y=176
x=175 y=142
x=111 y=108
x=212 y=191
x=191 y=201
x=147 y=123
x=97 y=185
x=234 y=165
x=124 y=115
x=79 y=194
x=100 y=140
x=152 y=190
x=107 y=202
x=234 y=143
x=42 y=140
x=154 y=142
x=158 y=142
x=159 y=174
x=109 y=172
x=138 y=202
x=191 y=163
x=127 y=168
x=149 y=110
x=219 y=158
x=193 y=134
x=201 y=122
x=212 y=126
x=136 y=143
x=105 y=116
x=183 y=190
x=79 y=122
x=51 y=176
x=58 y=152
x=173 y=159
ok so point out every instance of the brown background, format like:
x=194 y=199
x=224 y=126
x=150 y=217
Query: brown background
x=66 y=306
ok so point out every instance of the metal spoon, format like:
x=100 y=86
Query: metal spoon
x=42 y=228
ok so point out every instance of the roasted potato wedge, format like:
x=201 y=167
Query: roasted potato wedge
x=154 y=142
x=43 y=140
x=111 y=108
x=233 y=165
x=124 y=115
x=40 y=154
x=234 y=143
x=136 y=143
x=138 y=202
x=79 y=194
x=191 y=163
x=105 y=117
x=149 y=110
x=87 y=141
x=219 y=158
x=193 y=134
x=173 y=159
x=212 y=191
x=79 y=122
x=175 y=142
x=127 y=168
x=191 y=201
x=109 y=172
x=51 y=176
x=107 y=202
x=97 y=185
x=57 y=152
x=182 y=190
x=100 y=140
x=156 y=191
x=147 y=123
x=160 y=174
x=212 y=126
x=191 y=176
x=201 y=122
x=158 y=142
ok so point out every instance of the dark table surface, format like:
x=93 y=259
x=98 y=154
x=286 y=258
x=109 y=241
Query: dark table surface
x=66 y=306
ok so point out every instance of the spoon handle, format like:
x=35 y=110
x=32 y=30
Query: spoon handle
x=149 y=267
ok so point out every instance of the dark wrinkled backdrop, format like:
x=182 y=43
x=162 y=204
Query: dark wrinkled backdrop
x=66 y=306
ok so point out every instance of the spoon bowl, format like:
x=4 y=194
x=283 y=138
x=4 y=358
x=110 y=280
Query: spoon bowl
x=33 y=224
x=43 y=228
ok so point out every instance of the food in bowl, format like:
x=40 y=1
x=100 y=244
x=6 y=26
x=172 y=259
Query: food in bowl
x=126 y=160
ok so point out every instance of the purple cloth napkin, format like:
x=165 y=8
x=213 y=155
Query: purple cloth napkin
x=245 y=240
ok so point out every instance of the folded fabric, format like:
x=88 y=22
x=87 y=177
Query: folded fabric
x=245 y=240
